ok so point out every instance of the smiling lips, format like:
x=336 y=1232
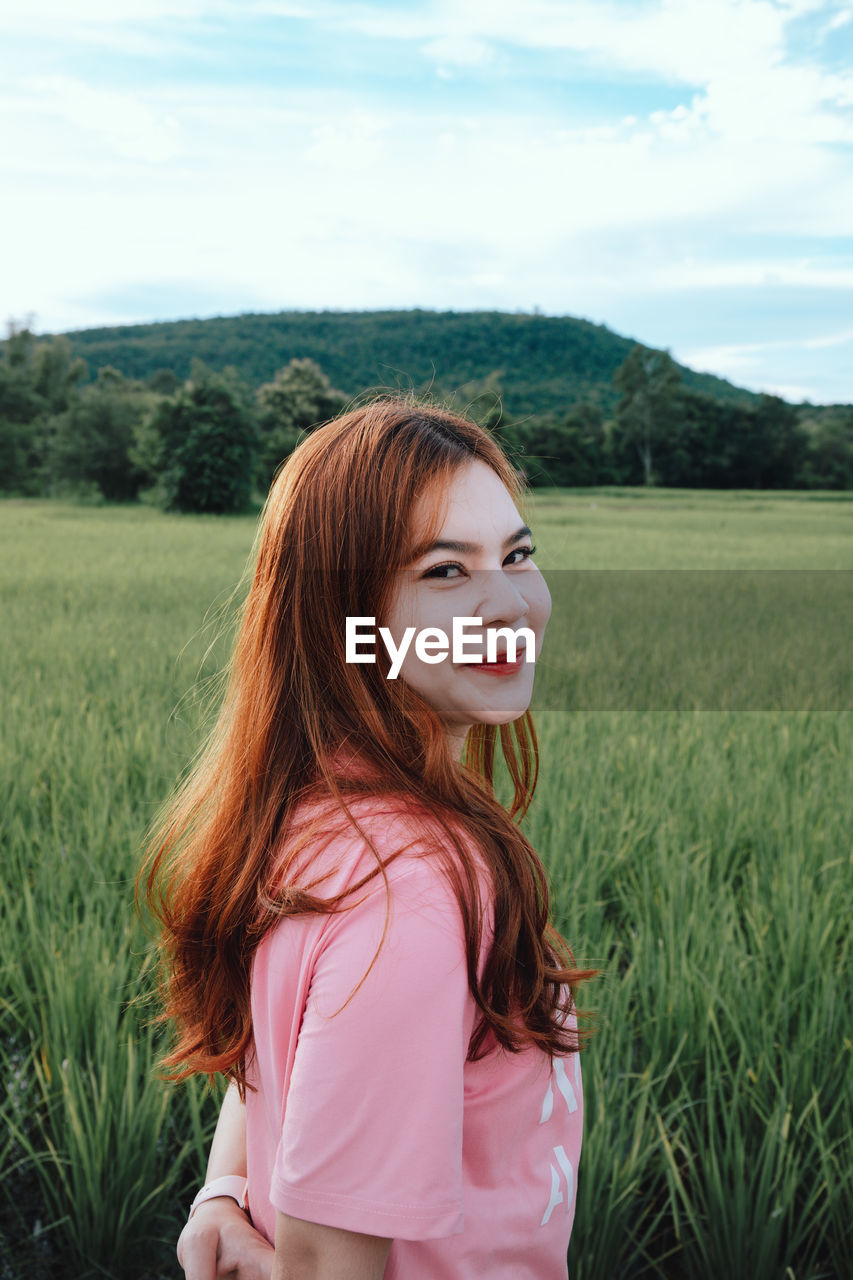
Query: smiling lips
x=500 y=667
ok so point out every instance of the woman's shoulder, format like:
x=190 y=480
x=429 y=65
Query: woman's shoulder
x=378 y=837
x=385 y=818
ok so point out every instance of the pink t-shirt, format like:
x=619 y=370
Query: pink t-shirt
x=366 y=1114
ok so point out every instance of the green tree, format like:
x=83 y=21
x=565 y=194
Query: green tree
x=92 y=441
x=164 y=381
x=567 y=451
x=700 y=448
x=828 y=463
x=200 y=447
x=649 y=383
x=38 y=378
x=299 y=398
x=56 y=372
x=775 y=448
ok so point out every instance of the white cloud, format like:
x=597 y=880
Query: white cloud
x=743 y=353
x=460 y=51
x=841 y=339
x=733 y=52
x=838 y=20
x=767 y=366
x=313 y=200
x=793 y=391
x=35 y=13
x=770 y=273
x=347 y=144
x=123 y=121
x=331 y=197
x=731 y=359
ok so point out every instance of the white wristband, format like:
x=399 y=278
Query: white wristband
x=231 y=1185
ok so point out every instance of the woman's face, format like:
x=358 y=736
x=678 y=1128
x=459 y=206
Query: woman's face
x=479 y=566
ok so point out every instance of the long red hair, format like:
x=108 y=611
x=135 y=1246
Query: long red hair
x=334 y=531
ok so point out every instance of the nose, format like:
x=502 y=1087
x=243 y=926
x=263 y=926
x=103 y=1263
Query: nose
x=500 y=602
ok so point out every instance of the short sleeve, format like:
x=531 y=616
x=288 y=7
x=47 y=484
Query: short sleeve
x=372 y=1132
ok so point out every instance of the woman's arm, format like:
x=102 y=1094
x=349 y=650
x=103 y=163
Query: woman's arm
x=220 y=1241
x=228 y=1149
x=308 y=1251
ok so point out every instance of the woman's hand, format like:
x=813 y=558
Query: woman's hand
x=221 y=1244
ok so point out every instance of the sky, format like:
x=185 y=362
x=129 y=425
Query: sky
x=679 y=170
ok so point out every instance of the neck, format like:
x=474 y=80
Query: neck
x=456 y=735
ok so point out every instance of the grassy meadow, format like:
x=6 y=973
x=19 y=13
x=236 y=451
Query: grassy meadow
x=699 y=852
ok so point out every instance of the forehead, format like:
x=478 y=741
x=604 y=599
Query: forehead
x=473 y=502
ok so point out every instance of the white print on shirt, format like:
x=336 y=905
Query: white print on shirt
x=556 y=1194
x=564 y=1164
x=565 y=1089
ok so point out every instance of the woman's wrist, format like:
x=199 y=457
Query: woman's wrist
x=231 y=1185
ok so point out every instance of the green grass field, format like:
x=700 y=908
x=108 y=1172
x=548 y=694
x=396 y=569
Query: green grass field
x=701 y=857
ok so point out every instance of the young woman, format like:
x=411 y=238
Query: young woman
x=355 y=930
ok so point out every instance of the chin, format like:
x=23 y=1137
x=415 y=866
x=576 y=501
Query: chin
x=503 y=717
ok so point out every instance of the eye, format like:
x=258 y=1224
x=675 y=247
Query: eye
x=523 y=552
x=444 y=572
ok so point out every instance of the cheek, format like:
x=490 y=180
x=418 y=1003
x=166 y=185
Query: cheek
x=540 y=604
x=429 y=680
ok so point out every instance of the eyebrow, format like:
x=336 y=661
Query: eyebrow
x=468 y=548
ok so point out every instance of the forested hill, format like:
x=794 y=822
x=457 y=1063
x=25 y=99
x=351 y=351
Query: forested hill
x=538 y=363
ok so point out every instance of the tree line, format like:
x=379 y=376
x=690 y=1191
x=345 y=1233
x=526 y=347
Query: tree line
x=543 y=363
x=212 y=443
